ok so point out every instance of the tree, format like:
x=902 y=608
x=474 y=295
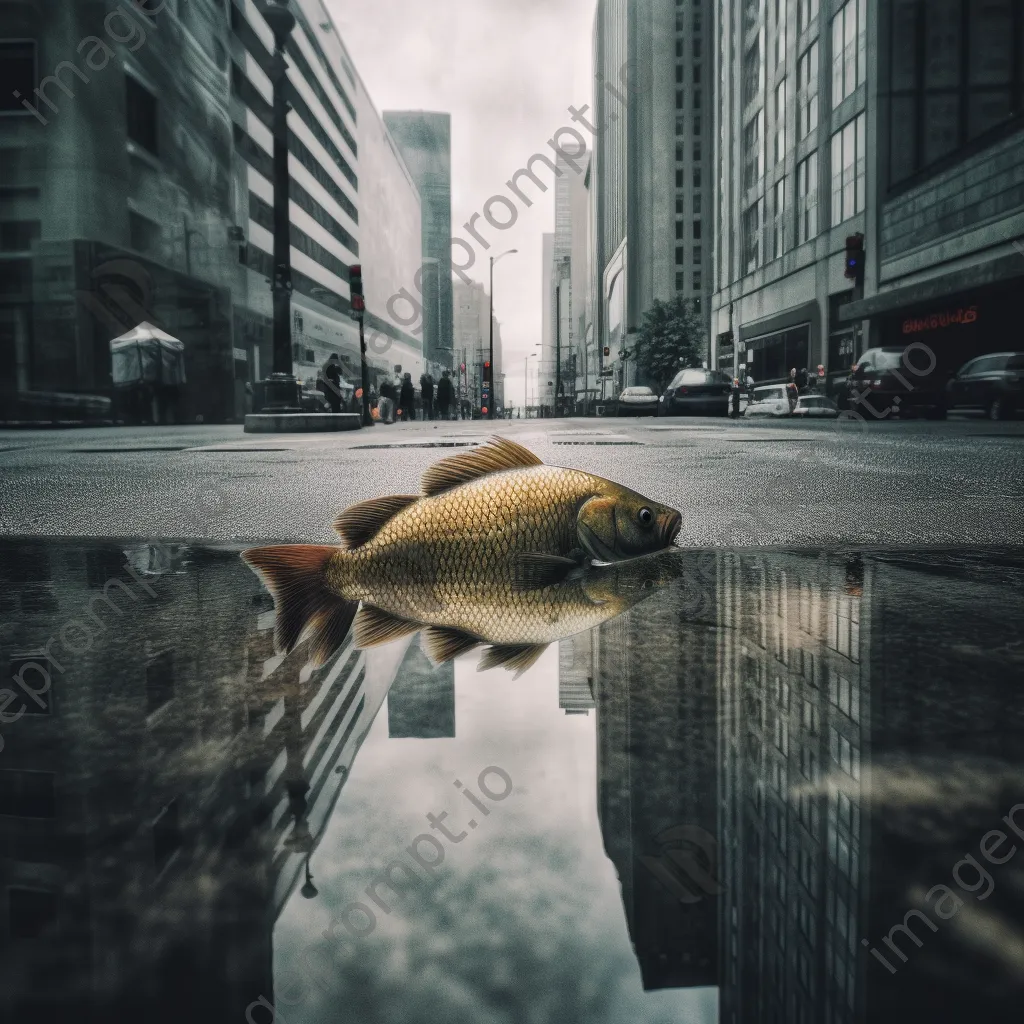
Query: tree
x=670 y=338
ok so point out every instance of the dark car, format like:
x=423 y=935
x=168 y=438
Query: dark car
x=704 y=392
x=895 y=381
x=637 y=402
x=992 y=384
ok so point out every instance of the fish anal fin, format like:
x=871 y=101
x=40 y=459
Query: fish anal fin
x=534 y=570
x=362 y=522
x=516 y=657
x=295 y=575
x=497 y=455
x=374 y=627
x=445 y=644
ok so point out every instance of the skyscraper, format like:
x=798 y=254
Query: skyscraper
x=424 y=139
x=653 y=82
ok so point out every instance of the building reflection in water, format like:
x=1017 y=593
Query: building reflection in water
x=159 y=803
x=870 y=735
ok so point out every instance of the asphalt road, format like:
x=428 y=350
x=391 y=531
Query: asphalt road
x=745 y=483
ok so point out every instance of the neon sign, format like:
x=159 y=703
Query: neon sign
x=915 y=325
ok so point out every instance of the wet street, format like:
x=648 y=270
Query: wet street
x=779 y=777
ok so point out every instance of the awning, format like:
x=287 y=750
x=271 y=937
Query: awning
x=1006 y=268
x=147 y=354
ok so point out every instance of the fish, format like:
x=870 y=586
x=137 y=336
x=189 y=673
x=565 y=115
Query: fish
x=492 y=521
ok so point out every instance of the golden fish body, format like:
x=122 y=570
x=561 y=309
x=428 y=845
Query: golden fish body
x=472 y=556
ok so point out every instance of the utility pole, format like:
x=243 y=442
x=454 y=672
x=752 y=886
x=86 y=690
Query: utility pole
x=281 y=388
x=558 y=346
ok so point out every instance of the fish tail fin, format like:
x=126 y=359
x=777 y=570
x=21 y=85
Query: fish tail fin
x=296 y=576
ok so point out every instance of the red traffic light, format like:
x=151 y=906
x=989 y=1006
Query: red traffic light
x=356 y=270
x=462 y=367
x=484 y=410
x=487 y=365
x=358 y=303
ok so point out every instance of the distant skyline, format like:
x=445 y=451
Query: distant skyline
x=517 y=69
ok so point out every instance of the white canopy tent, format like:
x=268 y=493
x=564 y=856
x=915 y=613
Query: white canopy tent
x=147 y=355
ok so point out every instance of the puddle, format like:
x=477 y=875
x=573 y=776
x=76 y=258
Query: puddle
x=729 y=796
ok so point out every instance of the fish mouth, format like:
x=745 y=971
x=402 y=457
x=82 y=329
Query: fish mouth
x=670 y=530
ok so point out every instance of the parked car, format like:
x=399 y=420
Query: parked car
x=637 y=402
x=992 y=384
x=697 y=391
x=882 y=384
x=769 y=400
x=816 y=406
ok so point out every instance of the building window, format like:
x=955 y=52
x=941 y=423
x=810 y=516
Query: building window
x=17 y=74
x=697 y=153
x=752 y=73
x=680 y=282
x=679 y=229
x=696 y=125
x=696 y=230
x=806 y=12
x=144 y=233
x=679 y=48
x=680 y=179
x=807 y=199
x=696 y=49
x=780 y=32
x=780 y=122
x=696 y=177
x=696 y=99
x=849 y=41
x=680 y=204
x=27 y=794
x=697 y=22
x=945 y=90
x=679 y=99
x=141 y=115
x=680 y=255
x=753 y=225
x=753 y=151
x=807 y=91
x=696 y=74
x=679 y=74
x=696 y=204
x=680 y=126
x=779 y=234
x=31 y=912
x=679 y=153
x=696 y=281
x=698 y=255
x=848 y=171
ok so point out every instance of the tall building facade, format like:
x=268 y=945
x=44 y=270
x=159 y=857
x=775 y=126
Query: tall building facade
x=425 y=141
x=138 y=186
x=898 y=120
x=654 y=76
x=472 y=310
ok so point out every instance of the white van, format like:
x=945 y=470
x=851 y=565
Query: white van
x=769 y=400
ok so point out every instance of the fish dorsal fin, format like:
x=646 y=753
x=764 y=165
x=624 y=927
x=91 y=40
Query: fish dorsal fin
x=498 y=454
x=360 y=523
x=445 y=644
x=517 y=657
x=374 y=627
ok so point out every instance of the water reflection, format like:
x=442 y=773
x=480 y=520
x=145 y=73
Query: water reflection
x=781 y=775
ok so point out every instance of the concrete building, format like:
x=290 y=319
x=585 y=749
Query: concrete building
x=425 y=141
x=654 y=77
x=472 y=342
x=584 y=345
x=876 y=117
x=176 y=746
x=654 y=684
x=138 y=186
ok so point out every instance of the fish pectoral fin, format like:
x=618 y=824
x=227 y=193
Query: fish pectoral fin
x=535 y=570
x=516 y=657
x=362 y=522
x=374 y=627
x=497 y=455
x=444 y=644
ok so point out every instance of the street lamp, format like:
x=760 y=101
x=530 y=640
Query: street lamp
x=281 y=388
x=526 y=384
x=490 y=397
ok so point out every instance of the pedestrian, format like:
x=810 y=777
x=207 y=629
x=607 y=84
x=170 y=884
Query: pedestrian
x=330 y=378
x=801 y=381
x=792 y=391
x=750 y=387
x=407 y=398
x=734 y=412
x=445 y=392
x=386 y=402
x=427 y=393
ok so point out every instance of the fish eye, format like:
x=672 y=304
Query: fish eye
x=646 y=516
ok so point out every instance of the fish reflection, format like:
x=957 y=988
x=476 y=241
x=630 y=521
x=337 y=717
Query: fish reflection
x=478 y=558
x=515 y=611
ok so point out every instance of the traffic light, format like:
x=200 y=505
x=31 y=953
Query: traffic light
x=355 y=286
x=462 y=367
x=607 y=351
x=855 y=258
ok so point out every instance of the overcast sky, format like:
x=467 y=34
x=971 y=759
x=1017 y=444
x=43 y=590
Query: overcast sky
x=507 y=72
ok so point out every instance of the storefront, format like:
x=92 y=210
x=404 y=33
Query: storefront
x=770 y=357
